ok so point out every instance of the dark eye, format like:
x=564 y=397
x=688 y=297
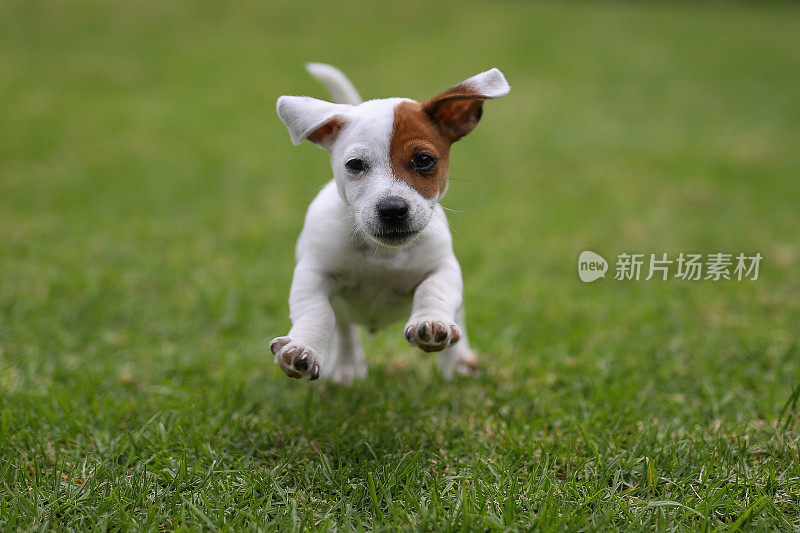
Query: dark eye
x=423 y=162
x=355 y=165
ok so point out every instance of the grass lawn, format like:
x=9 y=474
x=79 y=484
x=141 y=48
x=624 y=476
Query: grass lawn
x=149 y=203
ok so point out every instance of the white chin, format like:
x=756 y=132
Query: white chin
x=394 y=239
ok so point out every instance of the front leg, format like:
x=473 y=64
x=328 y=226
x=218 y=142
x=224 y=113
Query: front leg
x=432 y=325
x=302 y=352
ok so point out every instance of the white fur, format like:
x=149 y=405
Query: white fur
x=489 y=84
x=303 y=114
x=345 y=274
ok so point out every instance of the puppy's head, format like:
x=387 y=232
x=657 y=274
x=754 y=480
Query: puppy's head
x=390 y=157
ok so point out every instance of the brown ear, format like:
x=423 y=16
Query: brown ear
x=456 y=114
x=458 y=110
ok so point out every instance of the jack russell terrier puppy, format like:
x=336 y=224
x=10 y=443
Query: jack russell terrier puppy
x=376 y=244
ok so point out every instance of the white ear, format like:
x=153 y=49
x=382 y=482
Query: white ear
x=308 y=118
x=489 y=84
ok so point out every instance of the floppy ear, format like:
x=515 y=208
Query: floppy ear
x=458 y=110
x=308 y=118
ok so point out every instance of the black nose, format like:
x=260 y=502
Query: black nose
x=393 y=210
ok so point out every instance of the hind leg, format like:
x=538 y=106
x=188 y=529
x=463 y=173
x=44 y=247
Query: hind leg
x=346 y=360
x=458 y=358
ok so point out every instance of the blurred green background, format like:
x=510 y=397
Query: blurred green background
x=149 y=204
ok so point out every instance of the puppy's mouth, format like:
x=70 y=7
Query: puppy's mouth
x=395 y=237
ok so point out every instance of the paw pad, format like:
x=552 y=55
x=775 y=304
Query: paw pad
x=295 y=360
x=432 y=335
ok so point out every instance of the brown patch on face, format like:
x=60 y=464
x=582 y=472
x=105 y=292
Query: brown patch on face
x=432 y=126
x=414 y=132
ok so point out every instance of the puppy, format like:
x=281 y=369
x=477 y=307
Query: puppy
x=376 y=245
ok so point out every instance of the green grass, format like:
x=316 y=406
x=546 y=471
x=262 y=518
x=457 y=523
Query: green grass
x=149 y=203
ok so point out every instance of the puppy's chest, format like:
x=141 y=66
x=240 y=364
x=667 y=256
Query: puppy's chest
x=375 y=292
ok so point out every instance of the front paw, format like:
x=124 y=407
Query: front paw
x=295 y=359
x=431 y=335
